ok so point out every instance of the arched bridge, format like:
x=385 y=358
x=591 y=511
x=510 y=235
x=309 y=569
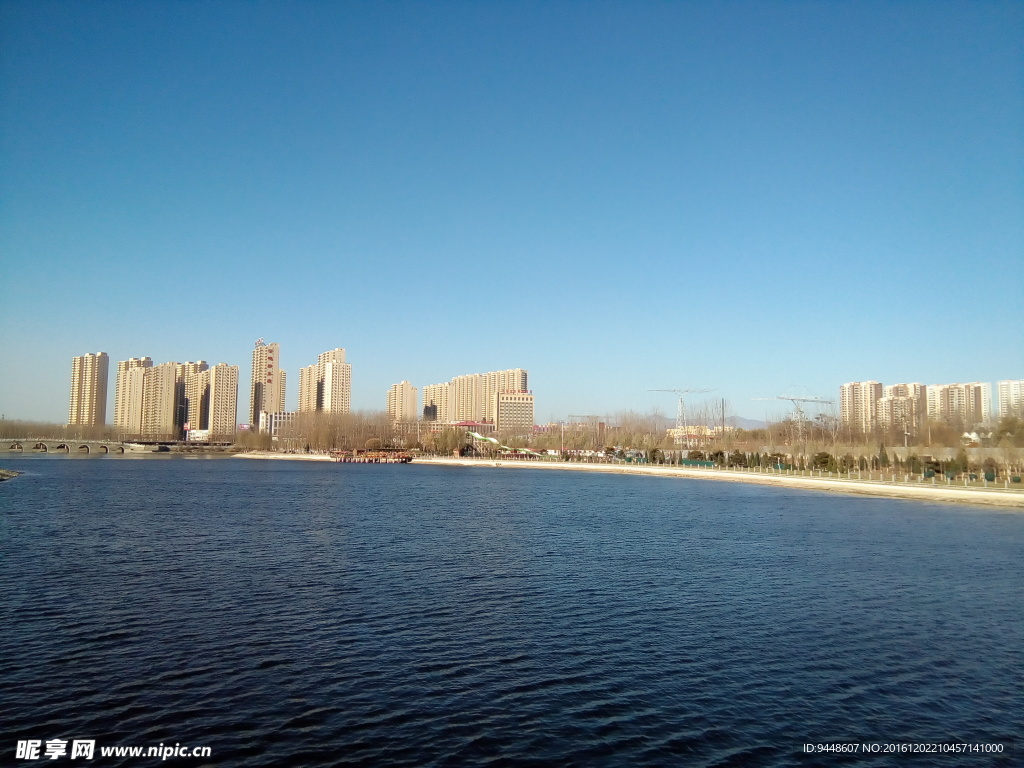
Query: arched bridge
x=64 y=446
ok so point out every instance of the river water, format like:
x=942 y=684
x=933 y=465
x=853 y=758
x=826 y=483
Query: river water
x=292 y=613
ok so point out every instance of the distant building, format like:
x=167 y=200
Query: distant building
x=697 y=433
x=903 y=407
x=128 y=395
x=513 y=410
x=402 y=402
x=268 y=381
x=436 y=402
x=160 y=402
x=472 y=397
x=216 y=405
x=967 y=403
x=327 y=385
x=188 y=392
x=1010 y=394
x=274 y=424
x=88 y=405
x=858 y=404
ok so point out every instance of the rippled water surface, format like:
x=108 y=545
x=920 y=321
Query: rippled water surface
x=291 y=613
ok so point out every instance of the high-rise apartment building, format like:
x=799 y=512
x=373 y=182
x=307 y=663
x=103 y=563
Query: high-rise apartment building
x=402 y=404
x=327 y=385
x=335 y=382
x=903 y=406
x=128 y=395
x=268 y=382
x=307 y=389
x=969 y=404
x=1010 y=394
x=858 y=404
x=473 y=397
x=88 y=406
x=436 y=402
x=216 y=402
x=188 y=392
x=160 y=402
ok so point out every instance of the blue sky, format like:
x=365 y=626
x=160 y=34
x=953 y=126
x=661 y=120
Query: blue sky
x=759 y=198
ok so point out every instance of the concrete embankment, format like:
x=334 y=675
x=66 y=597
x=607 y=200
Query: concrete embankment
x=921 y=492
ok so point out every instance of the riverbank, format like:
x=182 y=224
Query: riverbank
x=937 y=492
x=285 y=456
x=940 y=492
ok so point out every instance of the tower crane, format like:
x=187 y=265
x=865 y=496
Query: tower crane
x=681 y=409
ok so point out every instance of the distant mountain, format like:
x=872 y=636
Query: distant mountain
x=741 y=423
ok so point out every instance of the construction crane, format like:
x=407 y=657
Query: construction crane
x=798 y=412
x=681 y=409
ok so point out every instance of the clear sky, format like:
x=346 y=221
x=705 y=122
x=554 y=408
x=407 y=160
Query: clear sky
x=759 y=198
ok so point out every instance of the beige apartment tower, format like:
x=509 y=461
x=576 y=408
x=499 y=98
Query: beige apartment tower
x=327 y=385
x=216 y=402
x=969 y=404
x=128 y=395
x=268 y=382
x=88 y=406
x=472 y=397
x=436 y=402
x=902 y=407
x=858 y=404
x=188 y=392
x=402 y=402
x=160 y=402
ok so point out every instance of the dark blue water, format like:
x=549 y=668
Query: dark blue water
x=289 y=613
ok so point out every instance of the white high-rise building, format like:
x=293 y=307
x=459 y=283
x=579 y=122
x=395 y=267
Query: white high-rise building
x=969 y=403
x=128 y=395
x=402 y=402
x=88 y=402
x=1010 y=393
x=858 y=404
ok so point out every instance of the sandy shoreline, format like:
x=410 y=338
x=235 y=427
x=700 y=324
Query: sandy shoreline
x=989 y=497
x=285 y=456
x=938 y=492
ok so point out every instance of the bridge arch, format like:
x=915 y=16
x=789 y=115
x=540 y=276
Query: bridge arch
x=63 y=447
x=17 y=447
x=40 y=447
x=103 y=449
x=83 y=449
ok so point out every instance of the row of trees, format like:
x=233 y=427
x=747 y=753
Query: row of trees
x=627 y=430
x=962 y=462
